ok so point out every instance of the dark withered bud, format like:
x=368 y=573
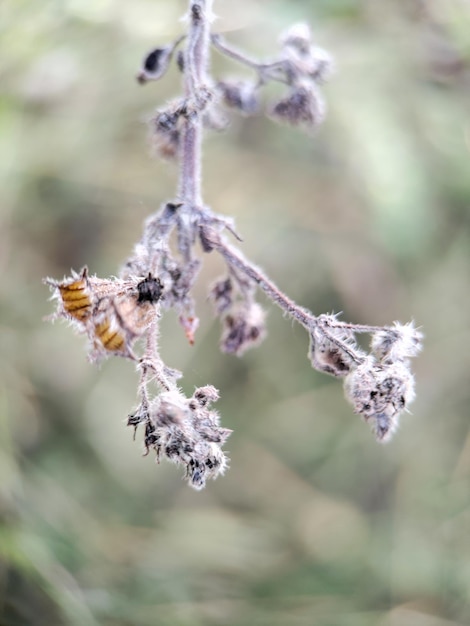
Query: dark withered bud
x=150 y=290
x=140 y=416
x=196 y=12
x=221 y=294
x=155 y=64
x=243 y=328
x=239 y=95
x=303 y=106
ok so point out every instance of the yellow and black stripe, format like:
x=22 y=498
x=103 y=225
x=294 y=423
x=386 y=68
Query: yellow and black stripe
x=76 y=299
x=111 y=339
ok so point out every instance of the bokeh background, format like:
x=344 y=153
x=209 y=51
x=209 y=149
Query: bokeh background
x=315 y=523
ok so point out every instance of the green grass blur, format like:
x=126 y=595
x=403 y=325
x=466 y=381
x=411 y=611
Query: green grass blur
x=315 y=523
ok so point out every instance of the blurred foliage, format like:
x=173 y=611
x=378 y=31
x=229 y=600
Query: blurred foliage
x=314 y=523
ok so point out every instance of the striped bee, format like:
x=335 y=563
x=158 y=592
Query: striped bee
x=112 y=312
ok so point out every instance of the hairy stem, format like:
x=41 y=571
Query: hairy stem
x=196 y=61
x=235 y=258
x=272 y=71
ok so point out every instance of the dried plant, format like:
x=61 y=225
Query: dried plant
x=120 y=316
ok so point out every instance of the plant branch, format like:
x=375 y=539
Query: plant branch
x=235 y=258
x=265 y=70
x=196 y=62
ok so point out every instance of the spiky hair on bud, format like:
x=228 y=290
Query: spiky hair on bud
x=400 y=342
x=380 y=393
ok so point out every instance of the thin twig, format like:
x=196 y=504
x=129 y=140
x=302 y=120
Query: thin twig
x=236 y=259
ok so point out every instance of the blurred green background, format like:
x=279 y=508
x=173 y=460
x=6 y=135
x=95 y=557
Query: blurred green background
x=315 y=523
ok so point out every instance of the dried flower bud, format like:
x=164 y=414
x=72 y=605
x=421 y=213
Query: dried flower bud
x=239 y=95
x=380 y=393
x=297 y=36
x=155 y=64
x=204 y=396
x=333 y=352
x=243 y=328
x=398 y=343
x=188 y=433
x=221 y=295
x=304 y=105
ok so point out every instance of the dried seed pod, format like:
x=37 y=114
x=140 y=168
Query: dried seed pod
x=304 y=105
x=155 y=64
x=333 y=353
x=204 y=396
x=380 y=393
x=243 y=328
x=188 y=433
x=240 y=95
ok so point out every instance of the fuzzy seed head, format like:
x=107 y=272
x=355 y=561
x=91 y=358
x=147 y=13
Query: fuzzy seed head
x=380 y=393
x=186 y=432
